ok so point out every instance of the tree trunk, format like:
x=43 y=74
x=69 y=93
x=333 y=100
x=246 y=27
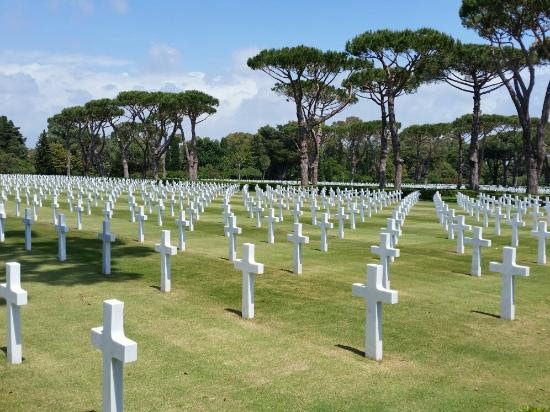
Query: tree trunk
x=541 y=127
x=505 y=165
x=397 y=161
x=163 y=165
x=68 y=162
x=317 y=139
x=383 y=149
x=192 y=158
x=473 y=155
x=304 y=163
x=125 y=168
x=353 y=163
x=515 y=172
x=459 y=163
x=546 y=172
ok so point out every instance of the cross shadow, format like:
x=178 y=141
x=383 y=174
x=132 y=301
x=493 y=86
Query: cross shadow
x=485 y=313
x=235 y=311
x=351 y=349
x=462 y=273
x=287 y=270
x=83 y=264
x=5 y=350
x=155 y=287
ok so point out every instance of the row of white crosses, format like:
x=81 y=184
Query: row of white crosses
x=539 y=228
x=377 y=289
x=283 y=197
x=110 y=339
x=508 y=268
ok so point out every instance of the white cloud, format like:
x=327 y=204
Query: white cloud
x=34 y=86
x=120 y=6
x=163 y=57
x=88 y=7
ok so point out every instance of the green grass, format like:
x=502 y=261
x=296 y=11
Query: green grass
x=444 y=346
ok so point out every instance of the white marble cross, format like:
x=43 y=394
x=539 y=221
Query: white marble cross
x=191 y=212
x=508 y=269
x=249 y=268
x=160 y=210
x=298 y=239
x=226 y=213
x=107 y=211
x=271 y=220
x=107 y=238
x=258 y=209
x=541 y=234
x=15 y=297
x=79 y=210
x=132 y=207
x=516 y=223
x=232 y=231
x=2 y=221
x=386 y=252
x=324 y=224
x=117 y=350
x=62 y=230
x=296 y=212
x=55 y=206
x=477 y=243
x=392 y=230
x=182 y=224
x=450 y=224
x=17 y=204
x=141 y=218
x=460 y=227
x=374 y=293
x=535 y=215
x=341 y=216
x=28 y=221
x=498 y=215
x=352 y=212
x=166 y=250
x=313 y=207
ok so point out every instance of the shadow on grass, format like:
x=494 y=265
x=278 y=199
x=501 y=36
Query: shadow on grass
x=5 y=350
x=351 y=349
x=235 y=311
x=83 y=264
x=479 y=312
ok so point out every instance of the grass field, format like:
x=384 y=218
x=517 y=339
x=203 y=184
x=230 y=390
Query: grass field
x=444 y=346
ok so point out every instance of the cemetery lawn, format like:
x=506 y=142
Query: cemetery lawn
x=445 y=347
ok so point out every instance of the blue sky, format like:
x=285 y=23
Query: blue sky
x=57 y=53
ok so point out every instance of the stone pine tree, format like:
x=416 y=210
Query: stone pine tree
x=307 y=76
x=317 y=101
x=407 y=59
x=356 y=136
x=471 y=68
x=425 y=141
x=197 y=106
x=518 y=27
x=140 y=107
x=67 y=125
x=371 y=84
